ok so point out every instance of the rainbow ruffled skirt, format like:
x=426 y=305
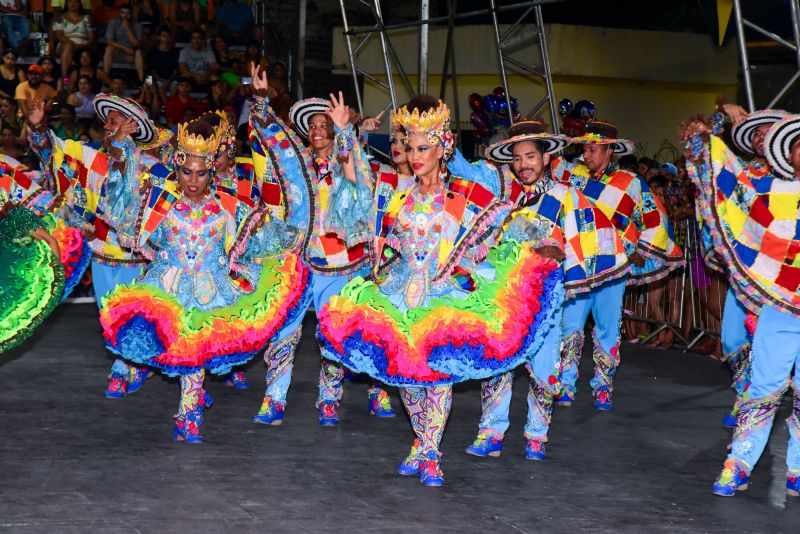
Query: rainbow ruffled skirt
x=494 y=329
x=146 y=325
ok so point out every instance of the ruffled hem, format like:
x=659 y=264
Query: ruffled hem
x=664 y=265
x=146 y=325
x=31 y=285
x=75 y=255
x=491 y=331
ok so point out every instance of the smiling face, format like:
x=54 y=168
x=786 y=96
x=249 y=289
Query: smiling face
x=758 y=140
x=794 y=157
x=596 y=156
x=398 y=147
x=193 y=177
x=114 y=120
x=320 y=133
x=423 y=156
x=529 y=163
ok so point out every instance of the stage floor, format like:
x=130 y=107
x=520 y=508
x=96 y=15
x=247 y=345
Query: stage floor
x=73 y=461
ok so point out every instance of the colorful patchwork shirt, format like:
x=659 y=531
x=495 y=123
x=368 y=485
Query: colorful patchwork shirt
x=557 y=214
x=754 y=227
x=20 y=187
x=635 y=212
x=307 y=185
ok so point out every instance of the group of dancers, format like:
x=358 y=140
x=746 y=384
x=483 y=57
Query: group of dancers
x=423 y=273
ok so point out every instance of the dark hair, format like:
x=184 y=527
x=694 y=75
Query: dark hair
x=198 y=30
x=164 y=29
x=185 y=79
x=126 y=6
x=659 y=180
x=65 y=9
x=11 y=51
x=87 y=78
x=11 y=100
x=69 y=108
x=77 y=58
x=423 y=103
x=211 y=118
x=648 y=161
x=541 y=146
x=628 y=162
x=201 y=128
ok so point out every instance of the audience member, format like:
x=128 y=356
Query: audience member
x=85 y=66
x=219 y=93
x=197 y=61
x=150 y=100
x=123 y=42
x=10 y=74
x=235 y=21
x=626 y=163
x=82 y=100
x=252 y=58
x=16 y=25
x=67 y=127
x=10 y=143
x=117 y=86
x=9 y=114
x=184 y=15
x=228 y=65
x=282 y=99
x=162 y=62
x=51 y=74
x=645 y=164
x=32 y=90
x=72 y=31
x=148 y=14
x=181 y=101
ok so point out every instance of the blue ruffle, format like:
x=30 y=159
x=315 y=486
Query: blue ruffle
x=77 y=270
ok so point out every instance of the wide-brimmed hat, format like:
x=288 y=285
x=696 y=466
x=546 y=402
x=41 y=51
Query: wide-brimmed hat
x=604 y=133
x=502 y=151
x=778 y=144
x=742 y=133
x=302 y=111
x=147 y=131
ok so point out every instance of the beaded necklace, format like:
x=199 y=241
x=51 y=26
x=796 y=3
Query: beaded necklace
x=423 y=224
x=193 y=241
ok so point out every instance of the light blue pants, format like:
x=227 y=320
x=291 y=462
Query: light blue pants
x=104 y=279
x=280 y=357
x=735 y=344
x=776 y=349
x=545 y=371
x=605 y=304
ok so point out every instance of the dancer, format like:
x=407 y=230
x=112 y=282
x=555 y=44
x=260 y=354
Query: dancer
x=78 y=172
x=221 y=282
x=753 y=228
x=642 y=225
x=560 y=223
x=333 y=253
x=442 y=305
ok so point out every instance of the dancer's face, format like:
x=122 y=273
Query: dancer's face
x=596 y=157
x=193 y=177
x=113 y=121
x=223 y=161
x=794 y=158
x=320 y=132
x=398 y=147
x=529 y=163
x=423 y=156
x=758 y=140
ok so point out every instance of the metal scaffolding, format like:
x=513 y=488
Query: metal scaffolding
x=517 y=36
x=741 y=24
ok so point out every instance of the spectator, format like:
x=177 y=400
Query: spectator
x=228 y=65
x=252 y=58
x=162 y=62
x=82 y=101
x=645 y=164
x=9 y=142
x=197 y=62
x=16 y=25
x=181 y=101
x=626 y=163
x=10 y=117
x=117 y=86
x=235 y=21
x=97 y=131
x=150 y=100
x=184 y=15
x=32 y=90
x=85 y=66
x=10 y=74
x=147 y=13
x=73 y=31
x=50 y=76
x=67 y=127
x=219 y=94
x=282 y=99
x=123 y=42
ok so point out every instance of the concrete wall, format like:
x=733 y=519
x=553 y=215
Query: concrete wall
x=645 y=82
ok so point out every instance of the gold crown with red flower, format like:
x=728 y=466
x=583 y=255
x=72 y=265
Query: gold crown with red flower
x=227 y=135
x=435 y=122
x=196 y=146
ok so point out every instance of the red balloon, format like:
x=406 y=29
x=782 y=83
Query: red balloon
x=573 y=126
x=479 y=120
x=476 y=102
x=499 y=92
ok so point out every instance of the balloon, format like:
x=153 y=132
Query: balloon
x=479 y=120
x=573 y=126
x=517 y=116
x=491 y=104
x=564 y=106
x=585 y=109
x=499 y=92
x=513 y=103
x=476 y=102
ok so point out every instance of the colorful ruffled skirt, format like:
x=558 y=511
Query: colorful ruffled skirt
x=146 y=325
x=32 y=279
x=497 y=327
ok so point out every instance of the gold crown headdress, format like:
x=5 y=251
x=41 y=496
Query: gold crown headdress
x=226 y=134
x=197 y=146
x=436 y=123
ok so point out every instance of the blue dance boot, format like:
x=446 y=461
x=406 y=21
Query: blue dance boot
x=793 y=484
x=236 y=380
x=137 y=379
x=602 y=399
x=117 y=387
x=733 y=478
x=187 y=428
x=564 y=398
x=410 y=466
x=328 y=414
x=729 y=421
x=485 y=445
x=380 y=404
x=430 y=473
x=271 y=412
x=534 y=450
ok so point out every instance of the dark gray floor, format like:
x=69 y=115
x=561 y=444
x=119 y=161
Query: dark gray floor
x=72 y=461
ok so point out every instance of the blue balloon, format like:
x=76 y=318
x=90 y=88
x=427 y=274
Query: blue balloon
x=585 y=109
x=492 y=104
x=564 y=106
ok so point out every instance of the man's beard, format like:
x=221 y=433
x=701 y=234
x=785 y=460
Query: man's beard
x=530 y=179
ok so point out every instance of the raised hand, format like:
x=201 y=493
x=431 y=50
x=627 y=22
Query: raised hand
x=260 y=82
x=735 y=112
x=126 y=129
x=371 y=124
x=338 y=111
x=36 y=113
